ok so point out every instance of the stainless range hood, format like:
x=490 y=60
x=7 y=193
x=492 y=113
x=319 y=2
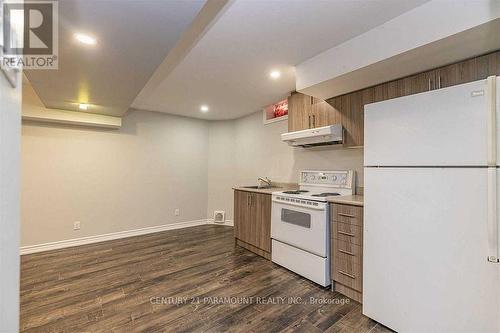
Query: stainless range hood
x=321 y=136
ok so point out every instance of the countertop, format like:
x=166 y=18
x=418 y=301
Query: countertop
x=277 y=187
x=355 y=200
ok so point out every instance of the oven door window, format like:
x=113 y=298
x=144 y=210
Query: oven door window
x=294 y=217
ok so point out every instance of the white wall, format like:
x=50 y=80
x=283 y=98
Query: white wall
x=112 y=180
x=221 y=167
x=248 y=150
x=10 y=129
x=135 y=177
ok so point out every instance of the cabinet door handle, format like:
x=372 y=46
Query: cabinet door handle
x=346 y=215
x=346 y=233
x=346 y=252
x=314 y=121
x=347 y=274
x=309 y=121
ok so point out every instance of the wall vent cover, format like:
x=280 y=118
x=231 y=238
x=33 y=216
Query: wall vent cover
x=219 y=216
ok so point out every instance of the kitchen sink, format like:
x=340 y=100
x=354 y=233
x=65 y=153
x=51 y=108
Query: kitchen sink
x=260 y=187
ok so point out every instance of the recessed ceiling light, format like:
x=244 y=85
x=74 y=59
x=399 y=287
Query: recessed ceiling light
x=83 y=106
x=85 y=39
x=275 y=75
x=204 y=108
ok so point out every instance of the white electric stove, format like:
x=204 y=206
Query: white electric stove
x=300 y=228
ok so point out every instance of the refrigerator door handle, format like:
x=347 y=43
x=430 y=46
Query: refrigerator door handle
x=491 y=91
x=493 y=228
x=493 y=255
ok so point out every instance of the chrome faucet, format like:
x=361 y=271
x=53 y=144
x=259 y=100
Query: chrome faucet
x=265 y=180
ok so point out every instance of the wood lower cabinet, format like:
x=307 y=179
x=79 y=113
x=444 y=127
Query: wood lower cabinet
x=252 y=222
x=346 y=227
x=242 y=216
x=262 y=206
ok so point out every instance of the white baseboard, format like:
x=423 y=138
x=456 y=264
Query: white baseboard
x=229 y=223
x=106 y=237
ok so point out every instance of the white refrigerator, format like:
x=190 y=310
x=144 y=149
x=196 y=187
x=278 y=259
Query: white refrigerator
x=432 y=199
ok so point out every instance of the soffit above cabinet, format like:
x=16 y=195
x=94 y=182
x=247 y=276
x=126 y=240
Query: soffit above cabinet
x=419 y=40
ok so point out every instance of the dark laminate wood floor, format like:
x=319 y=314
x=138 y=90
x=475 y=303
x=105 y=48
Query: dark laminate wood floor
x=125 y=286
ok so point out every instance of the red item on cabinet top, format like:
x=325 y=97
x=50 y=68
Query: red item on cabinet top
x=280 y=108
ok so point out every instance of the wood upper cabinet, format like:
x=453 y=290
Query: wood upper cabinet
x=299 y=112
x=305 y=112
x=419 y=83
x=351 y=106
x=252 y=219
x=464 y=71
x=348 y=110
x=324 y=114
x=488 y=65
x=308 y=112
x=458 y=73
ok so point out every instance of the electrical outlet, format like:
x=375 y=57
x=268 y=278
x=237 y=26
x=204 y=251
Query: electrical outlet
x=76 y=225
x=177 y=212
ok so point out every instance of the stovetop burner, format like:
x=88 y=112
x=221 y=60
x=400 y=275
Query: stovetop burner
x=326 y=194
x=295 y=192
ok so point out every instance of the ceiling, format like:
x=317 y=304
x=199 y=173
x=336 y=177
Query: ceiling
x=228 y=69
x=145 y=61
x=133 y=38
